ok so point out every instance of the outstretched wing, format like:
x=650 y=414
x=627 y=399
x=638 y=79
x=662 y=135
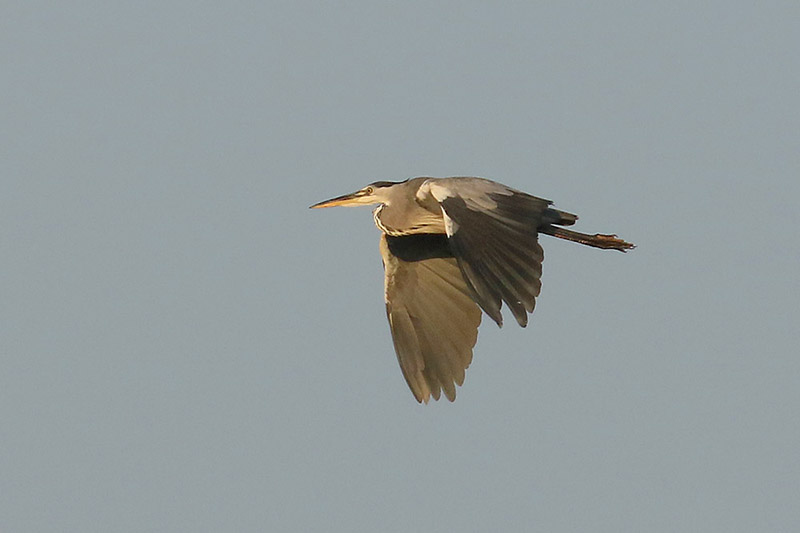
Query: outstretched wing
x=492 y=231
x=433 y=319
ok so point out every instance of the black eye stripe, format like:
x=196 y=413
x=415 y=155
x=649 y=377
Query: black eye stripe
x=378 y=184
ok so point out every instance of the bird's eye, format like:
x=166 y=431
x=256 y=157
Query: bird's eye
x=367 y=190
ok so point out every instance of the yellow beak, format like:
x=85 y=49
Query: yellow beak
x=354 y=198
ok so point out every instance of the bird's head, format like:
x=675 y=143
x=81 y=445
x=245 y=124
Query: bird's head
x=379 y=192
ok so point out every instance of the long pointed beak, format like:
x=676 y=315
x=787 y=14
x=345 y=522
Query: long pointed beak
x=346 y=199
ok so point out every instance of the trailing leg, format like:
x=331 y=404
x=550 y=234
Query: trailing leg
x=598 y=240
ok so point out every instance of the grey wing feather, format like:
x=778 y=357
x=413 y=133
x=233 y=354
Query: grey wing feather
x=495 y=240
x=434 y=322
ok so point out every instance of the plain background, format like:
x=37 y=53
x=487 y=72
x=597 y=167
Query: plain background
x=186 y=347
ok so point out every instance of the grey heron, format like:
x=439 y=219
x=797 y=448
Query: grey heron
x=452 y=247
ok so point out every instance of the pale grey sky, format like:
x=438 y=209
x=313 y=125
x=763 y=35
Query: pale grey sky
x=186 y=347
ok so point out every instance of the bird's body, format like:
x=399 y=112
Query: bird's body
x=452 y=247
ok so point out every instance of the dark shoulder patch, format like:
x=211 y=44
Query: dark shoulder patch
x=419 y=247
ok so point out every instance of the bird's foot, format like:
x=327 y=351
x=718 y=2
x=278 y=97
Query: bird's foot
x=612 y=242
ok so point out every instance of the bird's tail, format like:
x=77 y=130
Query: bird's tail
x=598 y=240
x=556 y=216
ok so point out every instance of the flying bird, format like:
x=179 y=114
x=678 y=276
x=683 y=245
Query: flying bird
x=452 y=247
